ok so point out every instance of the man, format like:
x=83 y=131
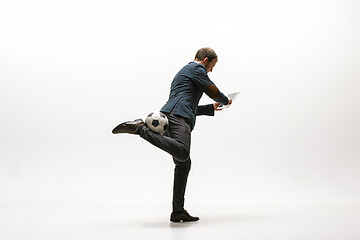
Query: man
x=181 y=109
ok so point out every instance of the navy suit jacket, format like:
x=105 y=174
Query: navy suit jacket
x=188 y=86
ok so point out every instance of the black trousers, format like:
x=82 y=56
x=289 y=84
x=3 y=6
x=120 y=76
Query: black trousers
x=176 y=141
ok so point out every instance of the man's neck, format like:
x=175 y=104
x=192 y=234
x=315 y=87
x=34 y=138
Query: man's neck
x=200 y=62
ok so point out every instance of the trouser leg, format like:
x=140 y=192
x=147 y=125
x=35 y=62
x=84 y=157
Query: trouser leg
x=181 y=174
x=176 y=141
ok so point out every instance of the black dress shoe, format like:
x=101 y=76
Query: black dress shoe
x=128 y=127
x=182 y=217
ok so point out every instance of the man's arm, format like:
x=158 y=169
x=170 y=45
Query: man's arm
x=205 y=110
x=208 y=87
x=209 y=109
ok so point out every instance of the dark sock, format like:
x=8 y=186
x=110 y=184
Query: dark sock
x=138 y=130
x=178 y=211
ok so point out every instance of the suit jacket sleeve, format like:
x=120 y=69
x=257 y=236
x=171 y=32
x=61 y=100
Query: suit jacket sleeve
x=206 y=110
x=207 y=86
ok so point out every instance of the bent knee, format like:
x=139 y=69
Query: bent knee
x=183 y=156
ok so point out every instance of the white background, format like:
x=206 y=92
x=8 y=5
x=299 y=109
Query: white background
x=70 y=71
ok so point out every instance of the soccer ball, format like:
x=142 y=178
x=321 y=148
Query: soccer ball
x=157 y=122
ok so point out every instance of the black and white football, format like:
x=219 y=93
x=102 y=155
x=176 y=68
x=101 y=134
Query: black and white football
x=157 y=122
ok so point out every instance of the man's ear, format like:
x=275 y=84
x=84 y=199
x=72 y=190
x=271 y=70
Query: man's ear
x=206 y=60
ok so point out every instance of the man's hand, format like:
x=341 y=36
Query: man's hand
x=216 y=105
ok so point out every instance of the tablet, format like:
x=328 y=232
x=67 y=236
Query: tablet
x=231 y=96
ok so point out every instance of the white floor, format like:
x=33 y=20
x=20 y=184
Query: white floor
x=77 y=221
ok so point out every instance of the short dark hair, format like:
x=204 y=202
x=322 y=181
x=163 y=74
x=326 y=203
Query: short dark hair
x=205 y=52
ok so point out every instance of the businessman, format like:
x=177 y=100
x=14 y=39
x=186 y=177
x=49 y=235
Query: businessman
x=181 y=109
